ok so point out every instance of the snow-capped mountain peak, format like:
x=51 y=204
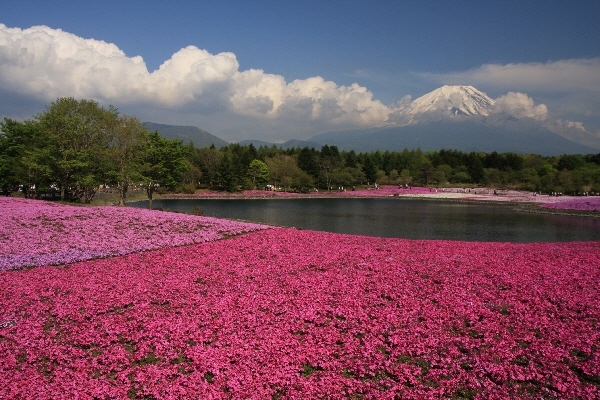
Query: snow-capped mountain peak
x=453 y=100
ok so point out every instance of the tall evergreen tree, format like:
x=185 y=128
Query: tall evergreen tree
x=307 y=161
x=350 y=159
x=475 y=167
x=226 y=174
x=369 y=169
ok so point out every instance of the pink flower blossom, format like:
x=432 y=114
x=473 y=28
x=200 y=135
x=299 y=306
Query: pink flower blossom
x=34 y=233
x=381 y=191
x=282 y=313
x=591 y=203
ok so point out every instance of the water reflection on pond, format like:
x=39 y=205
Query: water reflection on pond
x=400 y=218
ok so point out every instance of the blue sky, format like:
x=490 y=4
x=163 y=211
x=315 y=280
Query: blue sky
x=549 y=50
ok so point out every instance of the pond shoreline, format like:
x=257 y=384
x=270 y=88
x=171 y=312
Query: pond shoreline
x=519 y=204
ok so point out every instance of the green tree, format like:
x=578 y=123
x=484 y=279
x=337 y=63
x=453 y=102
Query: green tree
x=129 y=141
x=259 y=173
x=302 y=181
x=529 y=179
x=358 y=175
x=208 y=160
x=441 y=173
x=460 y=175
x=78 y=134
x=495 y=177
x=475 y=167
x=381 y=177
x=307 y=161
x=22 y=158
x=164 y=164
x=405 y=178
x=593 y=158
x=350 y=159
x=227 y=179
x=283 y=168
x=370 y=170
x=342 y=178
x=330 y=161
x=427 y=171
x=546 y=169
x=515 y=162
x=570 y=162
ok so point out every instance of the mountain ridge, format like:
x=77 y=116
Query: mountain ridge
x=462 y=118
x=199 y=137
x=464 y=136
x=457 y=99
x=458 y=117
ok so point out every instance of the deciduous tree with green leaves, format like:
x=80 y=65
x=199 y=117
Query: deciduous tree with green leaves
x=164 y=164
x=127 y=151
x=22 y=156
x=77 y=137
x=330 y=162
x=259 y=173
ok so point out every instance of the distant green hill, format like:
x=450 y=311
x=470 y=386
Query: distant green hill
x=187 y=134
x=290 y=144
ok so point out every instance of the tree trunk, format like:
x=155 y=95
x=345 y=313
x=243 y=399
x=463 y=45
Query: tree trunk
x=122 y=193
x=89 y=194
x=150 y=191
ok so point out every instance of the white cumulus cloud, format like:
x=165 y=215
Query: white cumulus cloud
x=576 y=131
x=48 y=63
x=194 y=87
x=562 y=76
x=570 y=88
x=520 y=105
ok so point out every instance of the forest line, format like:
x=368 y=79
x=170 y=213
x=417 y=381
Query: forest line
x=76 y=147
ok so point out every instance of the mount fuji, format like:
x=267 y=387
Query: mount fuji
x=453 y=100
x=462 y=118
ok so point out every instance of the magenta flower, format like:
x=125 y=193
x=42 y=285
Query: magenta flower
x=282 y=313
x=591 y=203
x=35 y=233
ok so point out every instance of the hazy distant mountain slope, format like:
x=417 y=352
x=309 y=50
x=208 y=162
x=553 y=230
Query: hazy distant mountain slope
x=301 y=144
x=187 y=134
x=287 y=145
x=460 y=118
x=255 y=143
x=463 y=135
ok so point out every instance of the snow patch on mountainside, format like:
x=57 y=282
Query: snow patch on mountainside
x=443 y=103
x=472 y=116
x=456 y=100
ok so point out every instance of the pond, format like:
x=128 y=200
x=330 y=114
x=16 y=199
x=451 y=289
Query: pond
x=398 y=218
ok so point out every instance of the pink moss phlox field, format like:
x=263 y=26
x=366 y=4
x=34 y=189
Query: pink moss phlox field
x=591 y=203
x=472 y=194
x=34 y=233
x=285 y=313
x=383 y=191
